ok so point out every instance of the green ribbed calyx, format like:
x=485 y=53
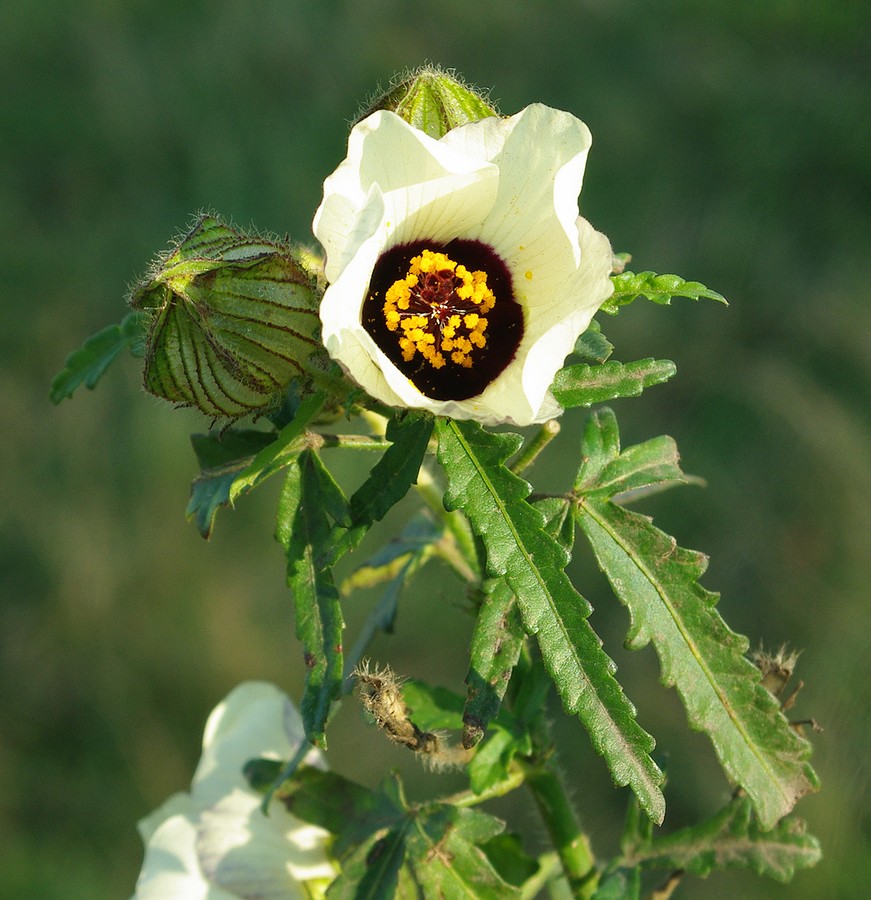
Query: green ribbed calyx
x=233 y=320
x=433 y=101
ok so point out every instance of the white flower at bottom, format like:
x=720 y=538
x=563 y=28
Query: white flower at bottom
x=460 y=273
x=215 y=843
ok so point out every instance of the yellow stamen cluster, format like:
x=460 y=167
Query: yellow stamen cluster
x=438 y=308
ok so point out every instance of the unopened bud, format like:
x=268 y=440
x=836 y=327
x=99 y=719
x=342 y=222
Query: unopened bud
x=434 y=101
x=234 y=319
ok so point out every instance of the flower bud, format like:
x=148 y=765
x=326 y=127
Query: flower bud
x=234 y=319
x=434 y=101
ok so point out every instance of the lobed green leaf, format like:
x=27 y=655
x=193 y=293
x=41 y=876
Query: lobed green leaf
x=532 y=562
x=383 y=843
x=498 y=635
x=88 y=364
x=699 y=655
x=628 y=286
x=388 y=482
x=732 y=839
x=302 y=529
x=583 y=385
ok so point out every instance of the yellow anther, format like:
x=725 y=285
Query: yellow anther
x=440 y=317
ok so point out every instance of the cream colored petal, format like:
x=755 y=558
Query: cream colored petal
x=402 y=183
x=256 y=719
x=541 y=154
x=248 y=854
x=177 y=805
x=170 y=870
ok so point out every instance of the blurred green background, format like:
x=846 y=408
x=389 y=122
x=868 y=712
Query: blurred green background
x=732 y=144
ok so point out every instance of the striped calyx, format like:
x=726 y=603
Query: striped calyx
x=234 y=319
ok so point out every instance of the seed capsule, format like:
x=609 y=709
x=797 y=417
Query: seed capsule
x=234 y=319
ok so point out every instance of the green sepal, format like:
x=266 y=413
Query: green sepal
x=628 y=286
x=88 y=364
x=532 y=562
x=434 y=101
x=699 y=655
x=302 y=528
x=732 y=839
x=583 y=385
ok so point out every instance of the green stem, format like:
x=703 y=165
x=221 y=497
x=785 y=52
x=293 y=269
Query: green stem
x=529 y=688
x=516 y=778
x=537 y=443
x=570 y=842
x=316 y=441
x=455 y=522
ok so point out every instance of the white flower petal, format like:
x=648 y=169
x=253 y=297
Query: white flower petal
x=252 y=855
x=256 y=719
x=420 y=187
x=170 y=870
x=215 y=843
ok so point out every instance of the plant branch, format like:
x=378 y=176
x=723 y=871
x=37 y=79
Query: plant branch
x=537 y=443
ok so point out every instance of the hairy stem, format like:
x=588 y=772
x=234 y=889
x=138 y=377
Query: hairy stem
x=570 y=842
x=537 y=443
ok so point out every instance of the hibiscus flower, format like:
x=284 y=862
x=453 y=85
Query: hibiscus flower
x=459 y=271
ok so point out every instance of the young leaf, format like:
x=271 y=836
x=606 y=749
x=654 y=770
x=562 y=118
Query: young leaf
x=732 y=839
x=640 y=468
x=532 y=562
x=415 y=542
x=302 y=528
x=445 y=855
x=628 y=286
x=583 y=385
x=592 y=346
x=87 y=364
x=720 y=688
x=388 y=482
